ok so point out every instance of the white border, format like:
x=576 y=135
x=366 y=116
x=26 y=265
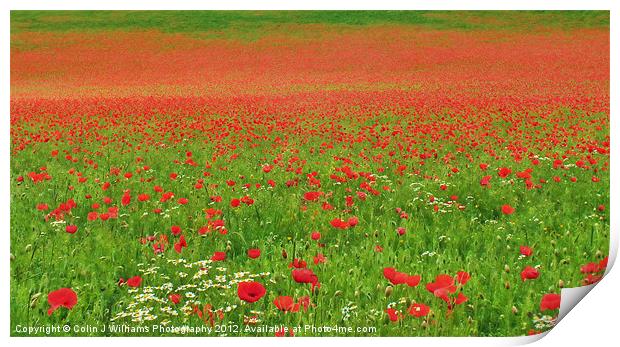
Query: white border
x=594 y=323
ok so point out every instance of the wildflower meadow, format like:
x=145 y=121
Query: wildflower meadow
x=305 y=173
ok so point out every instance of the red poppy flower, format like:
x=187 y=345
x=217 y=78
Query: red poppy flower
x=603 y=264
x=550 y=302
x=442 y=287
x=254 y=253
x=393 y=315
x=250 y=291
x=134 y=281
x=526 y=251
x=419 y=310
x=507 y=209
x=462 y=277
x=304 y=301
x=397 y=278
x=175 y=229
x=339 y=223
x=319 y=259
x=349 y=201
x=113 y=212
x=126 y=199
x=286 y=304
x=143 y=197
x=298 y=263
x=218 y=256
x=591 y=278
x=71 y=229
x=175 y=298
x=414 y=280
x=283 y=330
x=316 y=236
x=178 y=247
x=158 y=248
x=503 y=172
x=312 y=196
x=305 y=276
x=485 y=181
x=63 y=297
x=442 y=281
x=529 y=273
x=247 y=200
x=590 y=268
x=460 y=298
x=92 y=216
x=394 y=276
x=104 y=216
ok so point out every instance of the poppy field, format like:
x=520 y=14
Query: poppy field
x=312 y=173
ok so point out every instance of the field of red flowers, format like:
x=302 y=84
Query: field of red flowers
x=394 y=174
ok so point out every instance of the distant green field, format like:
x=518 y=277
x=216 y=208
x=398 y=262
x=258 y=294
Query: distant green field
x=195 y=21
